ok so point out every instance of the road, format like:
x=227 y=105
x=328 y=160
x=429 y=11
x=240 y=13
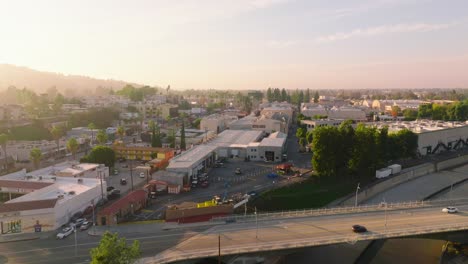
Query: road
x=291 y=233
x=152 y=239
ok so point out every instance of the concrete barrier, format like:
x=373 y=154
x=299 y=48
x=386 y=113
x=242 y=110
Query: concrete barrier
x=450 y=163
x=402 y=177
x=389 y=182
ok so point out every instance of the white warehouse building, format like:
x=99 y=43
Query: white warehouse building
x=230 y=144
x=47 y=201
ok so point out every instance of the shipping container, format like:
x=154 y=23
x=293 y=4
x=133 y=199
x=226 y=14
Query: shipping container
x=396 y=168
x=382 y=173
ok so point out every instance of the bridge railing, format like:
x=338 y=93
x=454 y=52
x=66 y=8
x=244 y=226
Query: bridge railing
x=177 y=254
x=339 y=210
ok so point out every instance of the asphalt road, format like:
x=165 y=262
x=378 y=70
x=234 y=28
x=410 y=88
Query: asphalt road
x=63 y=251
x=284 y=233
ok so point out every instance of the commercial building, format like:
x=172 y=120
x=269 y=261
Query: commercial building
x=47 y=200
x=143 y=153
x=312 y=124
x=433 y=136
x=12 y=112
x=229 y=144
x=343 y=112
x=216 y=122
x=21 y=150
x=260 y=123
x=122 y=208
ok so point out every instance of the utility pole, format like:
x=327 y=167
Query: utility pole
x=131 y=172
x=102 y=187
x=219 y=248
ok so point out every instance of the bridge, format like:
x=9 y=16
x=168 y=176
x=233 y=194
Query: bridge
x=309 y=228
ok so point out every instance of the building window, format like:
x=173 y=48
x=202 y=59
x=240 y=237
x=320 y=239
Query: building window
x=11 y=227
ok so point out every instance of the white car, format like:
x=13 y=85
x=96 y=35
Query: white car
x=65 y=232
x=142 y=175
x=450 y=210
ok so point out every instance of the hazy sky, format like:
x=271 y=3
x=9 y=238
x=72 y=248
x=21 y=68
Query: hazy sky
x=243 y=44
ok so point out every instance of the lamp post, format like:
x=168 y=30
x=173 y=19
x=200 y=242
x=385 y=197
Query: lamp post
x=94 y=220
x=256 y=223
x=76 y=251
x=357 y=190
x=219 y=248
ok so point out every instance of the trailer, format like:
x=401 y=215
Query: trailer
x=396 y=168
x=382 y=173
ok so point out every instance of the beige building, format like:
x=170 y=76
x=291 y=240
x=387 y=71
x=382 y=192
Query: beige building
x=216 y=123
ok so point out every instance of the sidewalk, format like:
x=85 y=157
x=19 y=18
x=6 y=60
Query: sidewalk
x=25 y=236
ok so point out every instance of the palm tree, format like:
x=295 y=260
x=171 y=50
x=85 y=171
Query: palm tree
x=57 y=133
x=72 y=146
x=36 y=156
x=92 y=127
x=3 y=143
x=101 y=137
x=121 y=132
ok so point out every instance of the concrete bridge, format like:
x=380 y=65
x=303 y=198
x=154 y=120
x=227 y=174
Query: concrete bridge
x=309 y=228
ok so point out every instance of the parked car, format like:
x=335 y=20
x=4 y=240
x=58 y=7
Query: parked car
x=85 y=225
x=450 y=210
x=359 y=229
x=123 y=181
x=79 y=222
x=65 y=232
x=122 y=159
x=205 y=184
x=114 y=194
x=116 y=172
x=110 y=188
x=238 y=171
x=76 y=216
x=142 y=175
x=125 y=166
x=252 y=193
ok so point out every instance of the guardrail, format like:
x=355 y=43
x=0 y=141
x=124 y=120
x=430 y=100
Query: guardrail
x=340 y=210
x=178 y=255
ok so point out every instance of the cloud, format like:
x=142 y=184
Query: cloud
x=381 y=30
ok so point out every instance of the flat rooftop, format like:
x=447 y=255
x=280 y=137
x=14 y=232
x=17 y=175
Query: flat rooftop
x=236 y=137
x=420 y=126
x=64 y=187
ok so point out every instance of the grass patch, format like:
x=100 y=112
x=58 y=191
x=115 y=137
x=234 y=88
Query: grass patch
x=307 y=194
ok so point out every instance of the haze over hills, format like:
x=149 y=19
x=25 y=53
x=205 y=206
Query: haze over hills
x=69 y=85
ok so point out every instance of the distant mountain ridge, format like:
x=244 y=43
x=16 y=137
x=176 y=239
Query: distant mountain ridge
x=70 y=85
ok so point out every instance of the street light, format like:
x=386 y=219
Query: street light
x=357 y=190
x=256 y=223
x=74 y=231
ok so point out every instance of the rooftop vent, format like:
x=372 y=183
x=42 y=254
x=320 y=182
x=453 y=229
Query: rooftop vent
x=80 y=180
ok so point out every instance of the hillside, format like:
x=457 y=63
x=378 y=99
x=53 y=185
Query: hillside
x=40 y=82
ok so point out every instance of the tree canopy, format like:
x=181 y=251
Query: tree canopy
x=100 y=155
x=113 y=249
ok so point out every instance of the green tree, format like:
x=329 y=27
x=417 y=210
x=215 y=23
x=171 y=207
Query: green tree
x=57 y=132
x=72 y=146
x=156 y=137
x=284 y=95
x=425 y=111
x=36 y=156
x=101 y=137
x=307 y=96
x=114 y=250
x=92 y=127
x=172 y=139
x=182 y=137
x=3 y=144
x=269 y=95
x=301 y=132
x=101 y=155
x=316 y=97
x=364 y=160
x=326 y=145
x=410 y=114
x=121 y=132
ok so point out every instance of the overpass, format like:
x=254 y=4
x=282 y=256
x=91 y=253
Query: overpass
x=308 y=228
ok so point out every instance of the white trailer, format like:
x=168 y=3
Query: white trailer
x=396 y=168
x=382 y=173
